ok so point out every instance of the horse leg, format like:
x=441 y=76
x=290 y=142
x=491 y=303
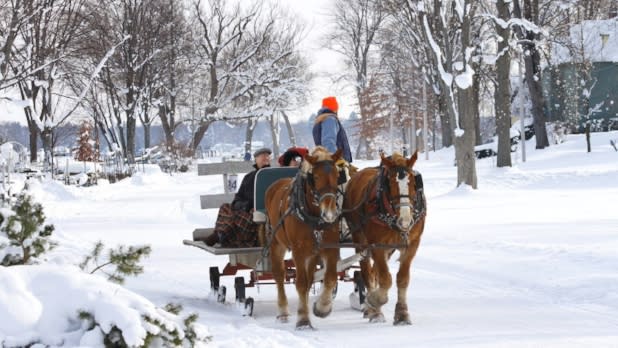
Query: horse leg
x=370 y=284
x=402 y=317
x=324 y=305
x=277 y=255
x=302 y=288
x=379 y=295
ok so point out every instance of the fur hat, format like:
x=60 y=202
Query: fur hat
x=261 y=151
x=331 y=104
x=285 y=159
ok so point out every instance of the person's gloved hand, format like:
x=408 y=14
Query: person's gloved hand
x=240 y=205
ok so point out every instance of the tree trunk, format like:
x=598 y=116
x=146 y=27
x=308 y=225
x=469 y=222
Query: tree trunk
x=445 y=120
x=166 y=125
x=533 y=79
x=288 y=125
x=199 y=133
x=146 y=135
x=251 y=123
x=476 y=87
x=130 y=139
x=533 y=68
x=33 y=132
x=274 y=132
x=464 y=143
x=46 y=139
x=502 y=104
x=33 y=129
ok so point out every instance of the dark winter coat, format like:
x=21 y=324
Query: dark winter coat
x=243 y=200
x=328 y=132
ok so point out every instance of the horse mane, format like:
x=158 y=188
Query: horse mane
x=398 y=160
x=320 y=153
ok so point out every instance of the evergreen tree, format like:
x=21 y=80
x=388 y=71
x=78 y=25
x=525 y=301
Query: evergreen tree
x=85 y=151
x=125 y=261
x=23 y=234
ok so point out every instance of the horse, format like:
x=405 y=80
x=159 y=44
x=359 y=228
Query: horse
x=385 y=210
x=303 y=216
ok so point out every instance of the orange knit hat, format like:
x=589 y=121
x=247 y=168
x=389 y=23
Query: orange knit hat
x=330 y=103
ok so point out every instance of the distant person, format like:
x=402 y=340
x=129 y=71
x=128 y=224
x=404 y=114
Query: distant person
x=235 y=227
x=293 y=156
x=328 y=131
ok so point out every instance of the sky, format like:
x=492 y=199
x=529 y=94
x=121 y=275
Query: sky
x=527 y=260
x=324 y=63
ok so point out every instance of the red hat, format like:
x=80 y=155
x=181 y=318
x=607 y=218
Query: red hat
x=330 y=103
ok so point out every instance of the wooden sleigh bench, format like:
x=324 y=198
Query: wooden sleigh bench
x=264 y=178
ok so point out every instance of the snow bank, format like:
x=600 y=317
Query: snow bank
x=41 y=304
x=148 y=175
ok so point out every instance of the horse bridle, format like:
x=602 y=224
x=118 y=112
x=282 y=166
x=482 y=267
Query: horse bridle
x=384 y=213
x=320 y=195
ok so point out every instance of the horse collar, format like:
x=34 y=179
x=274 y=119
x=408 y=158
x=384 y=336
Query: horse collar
x=299 y=204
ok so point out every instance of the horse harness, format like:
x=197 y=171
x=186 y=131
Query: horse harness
x=298 y=204
x=381 y=206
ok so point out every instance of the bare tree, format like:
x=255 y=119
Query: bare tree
x=14 y=15
x=452 y=58
x=357 y=24
x=52 y=29
x=230 y=37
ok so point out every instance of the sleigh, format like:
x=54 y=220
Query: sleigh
x=256 y=259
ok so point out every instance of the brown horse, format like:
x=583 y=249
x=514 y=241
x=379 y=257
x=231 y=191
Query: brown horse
x=303 y=215
x=385 y=209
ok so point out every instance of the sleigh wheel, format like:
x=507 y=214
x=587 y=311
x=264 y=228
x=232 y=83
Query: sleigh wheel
x=221 y=294
x=239 y=288
x=359 y=287
x=214 y=278
x=249 y=307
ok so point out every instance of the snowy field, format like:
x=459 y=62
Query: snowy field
x=528 y=260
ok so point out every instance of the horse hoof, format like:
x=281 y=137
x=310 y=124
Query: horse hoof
x=377 y=318
x=319 y=313
x=376 y=299
x=282 y=318
x=304 y=324
x=402 y=322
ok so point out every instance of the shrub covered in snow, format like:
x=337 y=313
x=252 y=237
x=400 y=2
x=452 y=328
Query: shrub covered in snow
x=58 y=306
x=24 y=237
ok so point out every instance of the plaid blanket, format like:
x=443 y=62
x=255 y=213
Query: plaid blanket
x=236 y=228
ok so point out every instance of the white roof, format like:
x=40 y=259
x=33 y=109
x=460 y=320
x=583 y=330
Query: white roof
x=599 y=39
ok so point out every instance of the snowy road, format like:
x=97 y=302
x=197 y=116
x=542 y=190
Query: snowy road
x=529 y=259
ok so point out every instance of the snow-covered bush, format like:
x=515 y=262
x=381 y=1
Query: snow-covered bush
x=50 y=305
x=24 y=237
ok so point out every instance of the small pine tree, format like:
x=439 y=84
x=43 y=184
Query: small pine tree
x=85 y=151
x=23 y=235
x=124 y=260
x=158 y=334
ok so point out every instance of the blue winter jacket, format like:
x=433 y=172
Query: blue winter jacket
x=328 y=132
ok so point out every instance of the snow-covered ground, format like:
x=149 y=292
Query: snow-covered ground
x=528 y=259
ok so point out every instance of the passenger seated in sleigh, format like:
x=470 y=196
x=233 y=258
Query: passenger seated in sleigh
x=235 y=227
